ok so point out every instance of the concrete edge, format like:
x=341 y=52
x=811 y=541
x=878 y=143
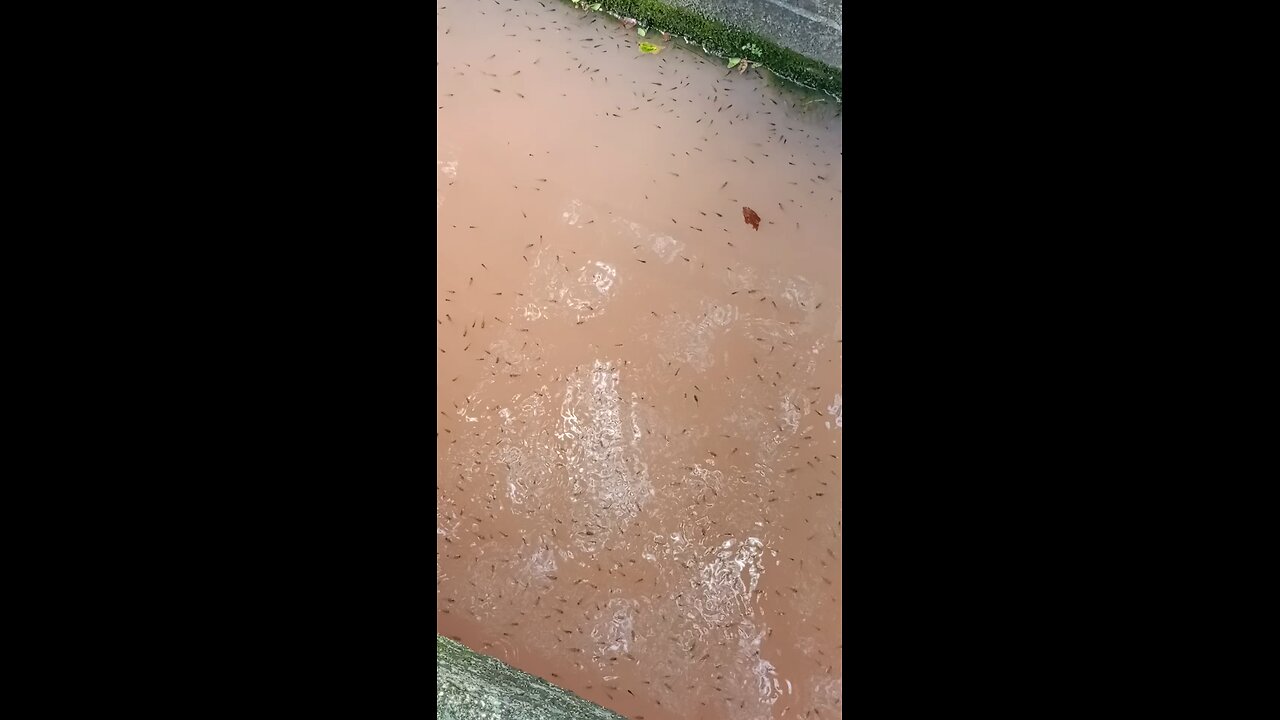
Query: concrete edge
x=725 y=40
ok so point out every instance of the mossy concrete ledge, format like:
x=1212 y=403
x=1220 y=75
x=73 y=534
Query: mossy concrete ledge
x=725 y=40
x=471 y=686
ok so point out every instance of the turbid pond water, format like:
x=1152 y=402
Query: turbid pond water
x=639 y=431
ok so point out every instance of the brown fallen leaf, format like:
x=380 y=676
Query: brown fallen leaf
x=751 y=217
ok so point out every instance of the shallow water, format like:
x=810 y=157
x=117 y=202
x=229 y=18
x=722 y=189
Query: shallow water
x=639 y=430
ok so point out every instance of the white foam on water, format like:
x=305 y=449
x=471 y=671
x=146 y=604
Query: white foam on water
x=613 y=628
x=602 y=276
x=448 y=168
x=609 y=481
x=541 y=563
x=767 y=686
x=572 y=216
x=573 y=295
x=692 y=339
x=799 y=292
x=828 y=694
x=726 y=597
x=790 y=417
x=666 y=247
x=531 y=312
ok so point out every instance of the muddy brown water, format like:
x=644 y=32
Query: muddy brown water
x=639 y=430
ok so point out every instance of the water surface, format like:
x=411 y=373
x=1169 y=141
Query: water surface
x=639 y=430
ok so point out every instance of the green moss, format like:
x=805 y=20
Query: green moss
x=727 y=41
x=471 y=686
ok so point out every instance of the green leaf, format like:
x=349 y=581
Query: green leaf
x=642 y=31
x=733 y=62
x=595 y=6
x=649 y=48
